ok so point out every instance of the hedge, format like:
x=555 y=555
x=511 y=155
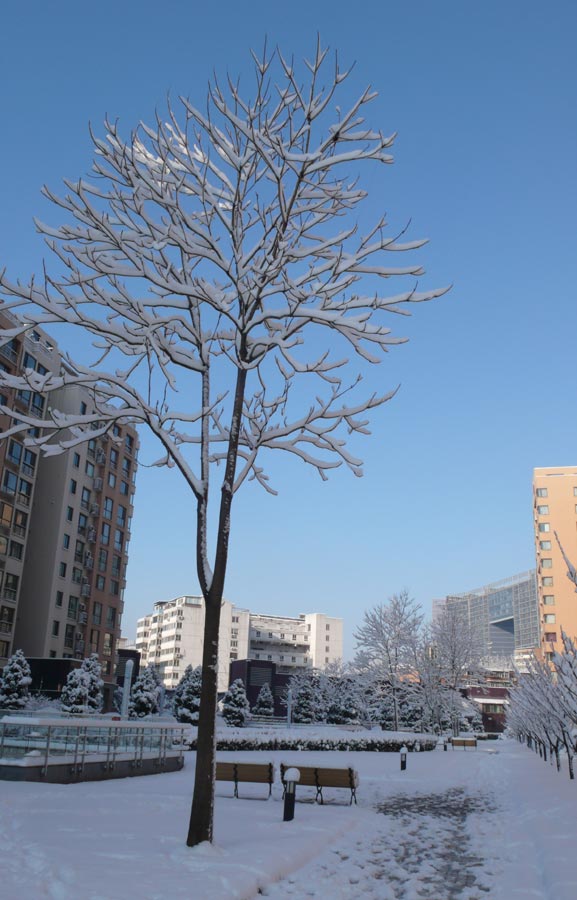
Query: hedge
x=387 y=745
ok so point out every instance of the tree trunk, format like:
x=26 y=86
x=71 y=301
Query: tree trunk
x=201 y=814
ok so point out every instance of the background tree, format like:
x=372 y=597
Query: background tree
x=201 y=254
x=82 y=692
x=264 y=705
x=235 y=706
x=15 y=681
x=186 y=698
x=304 y=703
x=145 y=695
x=387 y=645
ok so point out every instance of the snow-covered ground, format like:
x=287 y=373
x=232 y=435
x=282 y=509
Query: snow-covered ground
x=493 y=823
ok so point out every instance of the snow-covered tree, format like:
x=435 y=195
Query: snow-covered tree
x=82 y=692
x=144 y=695
x=264 y=705
x=387 y=646
x=15 y=681
x=304 y=703
x=186 y=698
x=216 y=259
x=235 y=706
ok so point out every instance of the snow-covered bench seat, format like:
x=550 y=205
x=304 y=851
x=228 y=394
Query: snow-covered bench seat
x=253 y=773
x=464 y=742
x=321 y=777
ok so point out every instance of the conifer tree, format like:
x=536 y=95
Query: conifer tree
x=304 y=702
x=144 y=695
x=186 y=699
x=235 y=706
x=264 y=705
x=15 y=682
x=82 y=692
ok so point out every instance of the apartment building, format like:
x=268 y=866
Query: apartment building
x=555 y=512
x=171 y=638
x=71 y=598
x=64 y=523
x=19 y=467
x=503 y=615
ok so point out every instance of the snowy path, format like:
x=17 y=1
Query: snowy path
x=419 y=850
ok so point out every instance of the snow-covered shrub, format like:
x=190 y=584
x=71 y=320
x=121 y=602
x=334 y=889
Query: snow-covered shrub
x=235 y=706
x=82 y=692
x=264 y=705
x=186 y=698
x=145 y=694
x=15 y=682
x=391 y=744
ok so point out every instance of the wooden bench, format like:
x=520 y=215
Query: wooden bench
x=321 y=777
x=464 y=742
x=253 y=773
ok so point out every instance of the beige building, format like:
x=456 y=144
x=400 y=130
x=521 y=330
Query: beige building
x=71 y=599
x=19 y=467
x=171 y=638
x=555 y=512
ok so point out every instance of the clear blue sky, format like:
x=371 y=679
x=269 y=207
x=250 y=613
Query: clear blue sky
x=484 y=98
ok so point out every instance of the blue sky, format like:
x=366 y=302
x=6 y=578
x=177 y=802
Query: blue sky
x=483 y=97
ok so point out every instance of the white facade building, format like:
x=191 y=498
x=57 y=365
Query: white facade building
x=171 y=638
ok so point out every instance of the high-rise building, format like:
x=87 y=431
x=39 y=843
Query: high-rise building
x=64 y=524
x=503 y=616
x=19 y=466
x=555 y=514
x=171 y=638
x=74 y=574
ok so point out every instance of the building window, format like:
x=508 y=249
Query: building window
x=105 y=535
x=113 y=458
x=76 y=460
x=328 y=627
x=15 y=452
x=85 y=498
x=111 y=480
x=294 y=637
x=73 y=486
x=52 y=654
x=69 y=513
x=544 y=526
x=102 y=560
x=547 y=563
x=550 y=637
x=10 y=482
x=542 y=492
x=118 y=540
x=97 y=614
x=55 y=628
x=548 y=581
x=549 y=599
x=66 y=541
x=6 y=514
x=16 y=550
x=83 y=408
x=89 y=469
x=124 y=488
x=94 y=639
x=107 y=645
x=235 y=618
x=545 y=545
x=121 y=516
x=293 y=659
x=72 y=607
x=100 y=584
x=110 y=617
x=59 y=598
x=69 y=636
x=76 y=575
x=62 y=570
x=326 y=659
x=549 y=618
x=107 y=509
x=543 y=510
x=114 y=588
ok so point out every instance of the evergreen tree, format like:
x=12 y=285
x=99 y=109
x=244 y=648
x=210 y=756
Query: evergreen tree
x=15 y=682
x=82 y=692
x=304 y=701
x=186 y=699
x=341 y=706
x=264 y=705
x=235 y=706
x=145 y=694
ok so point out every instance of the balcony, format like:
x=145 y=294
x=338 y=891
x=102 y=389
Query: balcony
x=19 y=530
x=85 y=590
x=5 y=627
x=9 y=353
x=94 y=509
x=97 y=485
x=88 y=563
x=100 y=457
x=91 y=535
x=82 y=618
